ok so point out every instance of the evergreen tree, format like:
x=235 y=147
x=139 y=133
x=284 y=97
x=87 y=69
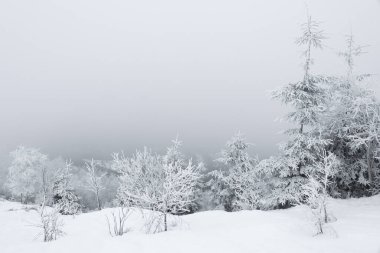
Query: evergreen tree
x=236 y=187
x=174 y=154
x=64 y=197
x=307 y=98
x=353 y=125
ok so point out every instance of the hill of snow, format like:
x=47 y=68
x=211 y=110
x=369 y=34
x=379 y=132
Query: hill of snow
x=357 y=229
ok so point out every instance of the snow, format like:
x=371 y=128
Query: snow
x=357 y=229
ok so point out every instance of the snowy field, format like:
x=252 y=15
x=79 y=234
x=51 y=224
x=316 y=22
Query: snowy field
x=357 y=229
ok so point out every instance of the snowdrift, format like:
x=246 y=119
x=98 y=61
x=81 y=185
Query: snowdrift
x=357 y=229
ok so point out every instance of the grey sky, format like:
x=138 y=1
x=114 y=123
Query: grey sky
x=85 y=78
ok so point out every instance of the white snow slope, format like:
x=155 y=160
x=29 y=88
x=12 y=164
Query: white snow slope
x=357 y=229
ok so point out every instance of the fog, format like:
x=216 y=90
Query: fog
x=85 y=78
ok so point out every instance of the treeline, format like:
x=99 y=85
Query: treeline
x=332 y=150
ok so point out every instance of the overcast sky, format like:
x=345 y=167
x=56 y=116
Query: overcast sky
x=85 y=78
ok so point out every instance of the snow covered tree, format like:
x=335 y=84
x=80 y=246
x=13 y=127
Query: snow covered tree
x=174 y=154
x=136 y=173
x=316 y=190
x=352 y=51
x=176 y=192
x=237 y=186
x=352 y=123
x=365 y=131
x=279 y=189
x=94 y=180
x=307 y=97
x=175 y=157
x=157 y=183
x=64 y=198
x=27 y=174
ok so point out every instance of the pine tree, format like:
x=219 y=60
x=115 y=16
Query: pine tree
x=174 y=154
x=353 y=125
x=236 y=187
x=307 y=98
x=64 y=197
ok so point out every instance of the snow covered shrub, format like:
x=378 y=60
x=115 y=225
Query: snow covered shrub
x=117 y=221
x=51 y=223
x=316 y=190
x=155 y=222
x=237 y=186
x=64 y=198
x=154 y=182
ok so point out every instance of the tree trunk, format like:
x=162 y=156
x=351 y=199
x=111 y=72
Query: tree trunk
x=320 y=228
x=98 y=200
x=301 y=128
x=370 y=164
x=165 y=222
x=325 y=212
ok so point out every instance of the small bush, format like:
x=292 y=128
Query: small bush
x=51 y=224
x=117 y=221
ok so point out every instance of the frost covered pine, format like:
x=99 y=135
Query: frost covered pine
x=237 y=187
x=174 y=154
x=64 y=198
x=366 y=133
x=353 y=125
x=154 y=182
x=307 y=98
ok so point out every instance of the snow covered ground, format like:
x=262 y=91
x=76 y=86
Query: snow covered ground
x=357 y=229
